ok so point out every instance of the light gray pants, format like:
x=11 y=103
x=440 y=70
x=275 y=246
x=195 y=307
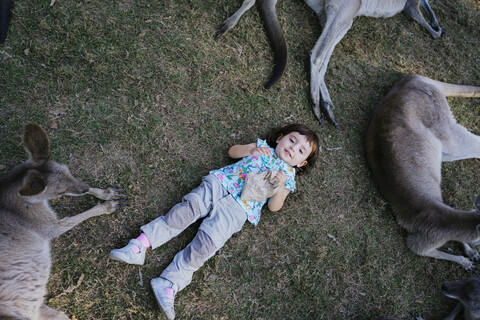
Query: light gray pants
x=223 y=217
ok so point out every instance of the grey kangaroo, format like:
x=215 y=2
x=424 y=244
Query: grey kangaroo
x=27 y=224
x=467 y=292
x=336 y=18
x=412 y=131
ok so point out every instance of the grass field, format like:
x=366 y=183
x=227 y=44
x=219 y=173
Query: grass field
x=138 y=94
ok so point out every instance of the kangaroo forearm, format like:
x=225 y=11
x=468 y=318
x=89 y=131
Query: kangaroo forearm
x=65 y=224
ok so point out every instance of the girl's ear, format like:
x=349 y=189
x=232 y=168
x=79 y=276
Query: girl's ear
x=279 y=138
x=302 y=164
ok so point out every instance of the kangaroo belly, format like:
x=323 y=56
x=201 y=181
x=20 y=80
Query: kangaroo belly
x=381 y=8
x=24 y=271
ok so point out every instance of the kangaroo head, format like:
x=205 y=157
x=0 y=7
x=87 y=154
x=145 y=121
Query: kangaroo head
x=44 y=179
x=467 y=292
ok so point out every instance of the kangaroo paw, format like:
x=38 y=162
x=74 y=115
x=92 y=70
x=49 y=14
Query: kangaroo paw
x=416 y=316
x=114 y=205
x=112 y=193
x=474 y=256
x=474 y=269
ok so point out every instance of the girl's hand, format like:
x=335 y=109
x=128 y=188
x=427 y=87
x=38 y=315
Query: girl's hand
x=276 y=201
x=281 y=176
x=261 y=151
x=251 y=149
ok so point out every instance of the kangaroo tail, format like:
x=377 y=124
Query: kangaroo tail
x=275 y=33
x=5 y=6
x=453 y=90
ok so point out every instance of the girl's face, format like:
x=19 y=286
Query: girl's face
x=294 y=149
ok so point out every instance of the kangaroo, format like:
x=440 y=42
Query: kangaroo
x=412 y=131
x=336 y=18
x=5 y=12
x=467 y=292
x=27 y=225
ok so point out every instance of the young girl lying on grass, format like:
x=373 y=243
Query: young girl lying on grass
x=288 y=150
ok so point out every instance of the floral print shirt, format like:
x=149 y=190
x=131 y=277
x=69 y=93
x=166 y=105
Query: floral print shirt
x=233 y=176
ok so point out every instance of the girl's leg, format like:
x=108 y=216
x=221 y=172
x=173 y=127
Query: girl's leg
x=194 y=205
x=225 y=219
x=181 y=270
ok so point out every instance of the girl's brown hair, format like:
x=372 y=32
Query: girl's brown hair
x=304 y=131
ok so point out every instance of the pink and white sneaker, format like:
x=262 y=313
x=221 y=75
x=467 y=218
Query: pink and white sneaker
x=165 y=295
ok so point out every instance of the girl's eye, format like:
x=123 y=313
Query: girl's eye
x=301 y=151
x=291 y=140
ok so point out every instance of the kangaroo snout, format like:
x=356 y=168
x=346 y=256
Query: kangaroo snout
x=445 y=288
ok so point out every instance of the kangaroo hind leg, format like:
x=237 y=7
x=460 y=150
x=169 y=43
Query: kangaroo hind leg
x=461 y=144
x=336 y=26
x=412 y=8
x=466 y=263
x=233 y=20
x=420 y=244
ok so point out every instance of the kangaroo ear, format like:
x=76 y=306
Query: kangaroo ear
x=33 y=184
x=477 y=202
x=36 y=142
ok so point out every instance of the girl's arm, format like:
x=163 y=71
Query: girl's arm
x=243 y=150
x=276 y=202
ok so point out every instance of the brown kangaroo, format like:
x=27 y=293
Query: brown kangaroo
x=412 y=131
x=336 y=18
x=27 y=224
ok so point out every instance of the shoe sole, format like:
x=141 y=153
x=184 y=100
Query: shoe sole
x=119 y=258
x=161 y=308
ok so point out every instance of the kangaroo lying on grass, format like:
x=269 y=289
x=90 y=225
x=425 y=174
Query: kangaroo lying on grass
x=467 y=292
x=27 y=224
x=411 y=133
x=336 y=18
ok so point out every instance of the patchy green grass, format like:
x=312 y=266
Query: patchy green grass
x=138 y=94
